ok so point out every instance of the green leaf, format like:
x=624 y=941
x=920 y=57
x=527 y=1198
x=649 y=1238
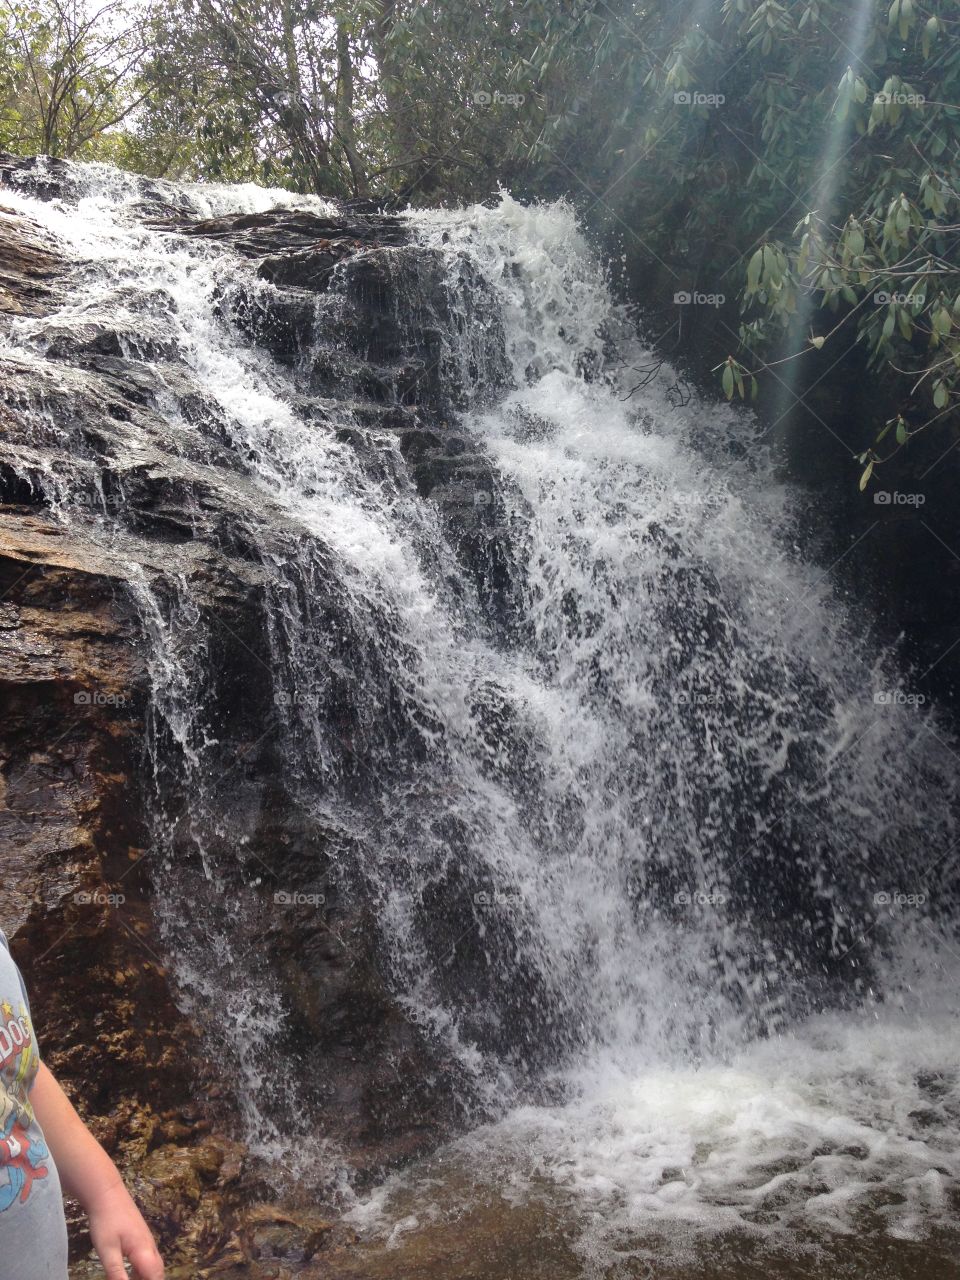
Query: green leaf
x=728 y=381
x=753 y=271
x=771 y=265
x=865 y=478
x=930 y=33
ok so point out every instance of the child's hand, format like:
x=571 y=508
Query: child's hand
x=118 y=1231
x=89 y=1175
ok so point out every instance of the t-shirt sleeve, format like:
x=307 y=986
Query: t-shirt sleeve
x=23 y=985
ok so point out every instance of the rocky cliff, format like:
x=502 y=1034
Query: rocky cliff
x=86 y=400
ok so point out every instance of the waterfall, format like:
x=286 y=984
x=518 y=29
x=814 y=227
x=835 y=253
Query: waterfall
x=634 y=810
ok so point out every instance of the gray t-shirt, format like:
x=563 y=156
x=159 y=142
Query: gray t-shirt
x=33 y=1230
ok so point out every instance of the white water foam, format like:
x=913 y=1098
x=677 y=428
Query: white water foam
x=846 y=1121
x=845 y=1127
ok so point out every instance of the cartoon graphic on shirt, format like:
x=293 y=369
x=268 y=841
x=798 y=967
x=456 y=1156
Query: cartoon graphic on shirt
x=20 y=1160
x=22 y=1152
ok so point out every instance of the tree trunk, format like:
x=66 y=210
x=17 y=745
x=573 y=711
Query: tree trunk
x=343 y=113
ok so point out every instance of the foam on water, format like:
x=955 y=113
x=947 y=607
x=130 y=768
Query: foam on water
x=120 y=192
x=845 y=1126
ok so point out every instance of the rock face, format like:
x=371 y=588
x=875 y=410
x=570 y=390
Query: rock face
x=28 y=268
x=86 y=401
x=76 y=893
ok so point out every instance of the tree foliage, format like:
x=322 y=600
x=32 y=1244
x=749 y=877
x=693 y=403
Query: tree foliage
x=381 y=97
x=67 y=74
x=801 y=155
x=804 y=155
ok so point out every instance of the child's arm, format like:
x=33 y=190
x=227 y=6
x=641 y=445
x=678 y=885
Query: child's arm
x=89 y=1175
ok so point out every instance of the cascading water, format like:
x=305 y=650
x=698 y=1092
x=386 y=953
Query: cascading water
x=639 y=821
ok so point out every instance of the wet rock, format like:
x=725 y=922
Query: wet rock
x=42 y=176
x=29 y=265
x=283 y=322
x=102 y=338
x=279 y=233
x=190 y=1194
x=49 y=178
x=267 y=1231
x=76 y=884
x=118 y=472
